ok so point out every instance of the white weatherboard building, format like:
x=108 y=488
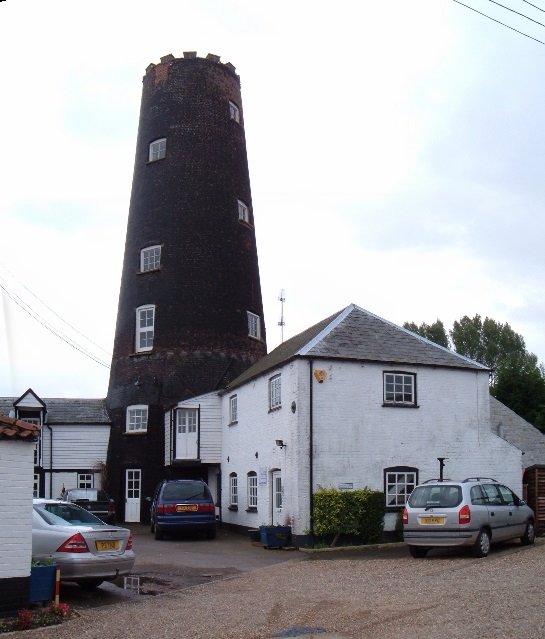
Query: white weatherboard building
x=352 y=402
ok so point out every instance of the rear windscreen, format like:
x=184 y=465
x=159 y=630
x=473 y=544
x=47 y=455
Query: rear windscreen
x=184 y=492
x=91 y=494
x=444 y=496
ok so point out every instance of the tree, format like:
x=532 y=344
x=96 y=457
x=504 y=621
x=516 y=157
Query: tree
x=488 y=342
x=516 y=379
x=434 y=332
x=520 y=384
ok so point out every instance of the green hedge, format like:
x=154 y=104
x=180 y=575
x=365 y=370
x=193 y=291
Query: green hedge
x=354 y=513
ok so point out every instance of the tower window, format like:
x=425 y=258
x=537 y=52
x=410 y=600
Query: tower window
x=150 y=258
x=157 y=150
x=137 y=418
x=243 y=212
x=234 y=112
x=145 y=326
x=254 y=325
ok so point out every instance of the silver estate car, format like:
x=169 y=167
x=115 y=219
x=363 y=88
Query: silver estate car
x=87 y=550
x=475 y=512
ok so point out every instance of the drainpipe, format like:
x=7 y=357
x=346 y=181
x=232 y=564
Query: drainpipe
x=50 y=462
x=311 y=456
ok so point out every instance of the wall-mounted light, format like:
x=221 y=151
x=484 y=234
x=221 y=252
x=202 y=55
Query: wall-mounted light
x=256 y=454
x=280 y=443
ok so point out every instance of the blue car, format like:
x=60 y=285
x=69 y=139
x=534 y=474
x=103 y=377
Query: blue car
x=183 y=505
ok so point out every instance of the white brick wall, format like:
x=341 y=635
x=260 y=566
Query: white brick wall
x=16 y=475
x=355 y=437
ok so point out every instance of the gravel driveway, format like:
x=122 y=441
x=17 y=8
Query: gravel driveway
x=369 y=593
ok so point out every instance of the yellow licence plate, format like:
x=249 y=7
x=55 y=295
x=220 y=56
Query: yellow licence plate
x=432 y=520
x=181 y=507
x=107 y=545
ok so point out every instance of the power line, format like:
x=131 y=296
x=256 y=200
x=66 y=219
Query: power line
x=25 y=307
x=498 y=21
x=534 y=5
x=517 y=12
x=52 y=311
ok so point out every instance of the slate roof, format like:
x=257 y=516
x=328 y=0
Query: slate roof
x=67 y=410
x=356 y=334
x=13 y=429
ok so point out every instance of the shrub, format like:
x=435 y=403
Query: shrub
x=355 y=512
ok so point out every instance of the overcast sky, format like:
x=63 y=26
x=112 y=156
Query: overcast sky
x=396 y=154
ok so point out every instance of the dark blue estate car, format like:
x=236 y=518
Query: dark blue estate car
x=183 y=505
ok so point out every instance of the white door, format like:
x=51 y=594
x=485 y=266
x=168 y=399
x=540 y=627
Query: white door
x=186 y=433
x=133 y=479
x=278 y=492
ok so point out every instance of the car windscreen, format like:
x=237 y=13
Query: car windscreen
x=434 y=496
x=89 y=494
x=66 y=515
x=184 y=492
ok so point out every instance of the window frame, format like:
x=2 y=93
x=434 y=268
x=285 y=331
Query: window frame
x=395 y=401
x=145 y=252
x=243 y=212
x=161 y=145
x=251 y=490
x=233 y=491
x=254 y=325
x=85 y=480
x=233 y=409
x=275 y=392
x=144 y=329
x=400 y=496
x=132 y=426
x=234 y=112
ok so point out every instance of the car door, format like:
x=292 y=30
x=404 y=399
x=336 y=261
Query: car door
x=517 y=515
x=498 y=513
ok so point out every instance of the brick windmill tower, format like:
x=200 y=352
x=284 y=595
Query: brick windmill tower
x=190 y=314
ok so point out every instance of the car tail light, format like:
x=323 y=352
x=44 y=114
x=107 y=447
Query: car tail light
x=166 y=509
x=111 y=508
x=206 y=508
x=464 y=516
x=405 y=516
x=129 y=543
x=76 y=543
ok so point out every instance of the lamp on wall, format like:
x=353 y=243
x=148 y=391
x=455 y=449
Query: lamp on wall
x=280 y=443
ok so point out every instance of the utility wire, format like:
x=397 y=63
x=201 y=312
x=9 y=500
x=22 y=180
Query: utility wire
x=519 y=14
x=52 y=311
x=534 y=5
x=13 y=296
x=494 y=20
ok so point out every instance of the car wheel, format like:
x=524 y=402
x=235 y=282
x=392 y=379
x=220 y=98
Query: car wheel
x=529 y=534
x=211 y=533
x=481 y=548
x=418 y=552
x=158 y=533
x=89 y=584
x=152 y=527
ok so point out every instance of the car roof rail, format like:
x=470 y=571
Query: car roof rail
x=480 y=479
x=437 y=479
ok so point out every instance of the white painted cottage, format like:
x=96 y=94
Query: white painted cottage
x=354 y=401
x=17 y=443
x=72 y=449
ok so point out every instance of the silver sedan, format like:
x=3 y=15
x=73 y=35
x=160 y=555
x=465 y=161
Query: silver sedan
x=87 y=550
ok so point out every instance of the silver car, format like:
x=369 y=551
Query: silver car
x=87 y=550
x=475 y=512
